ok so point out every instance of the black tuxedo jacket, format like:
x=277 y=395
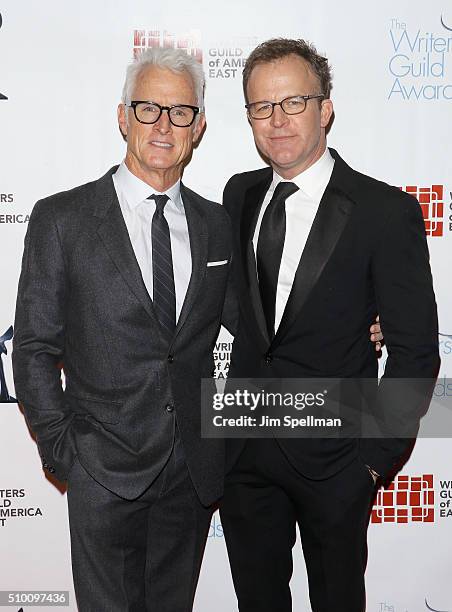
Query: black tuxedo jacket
x=366 y=254
x=82 y=304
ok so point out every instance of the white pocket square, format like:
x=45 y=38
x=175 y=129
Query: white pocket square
x=217 y=263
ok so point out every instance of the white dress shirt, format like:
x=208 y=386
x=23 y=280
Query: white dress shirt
x=138 y=211
x=301 y=208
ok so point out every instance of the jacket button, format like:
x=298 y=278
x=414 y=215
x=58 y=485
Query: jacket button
x=268 y=358
x=169 y=408
x=51 y=469
x=45 y=465
x=170 y=358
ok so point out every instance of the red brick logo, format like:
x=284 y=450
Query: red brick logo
x=189 y=42
x=432 y=205
x=409 y=499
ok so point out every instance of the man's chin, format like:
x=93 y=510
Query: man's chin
x=282 y=157
x=159 y=163
x=283 y=164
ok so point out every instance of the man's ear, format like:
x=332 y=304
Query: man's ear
x=122 y=120
x=199 y=127
x=326 y=112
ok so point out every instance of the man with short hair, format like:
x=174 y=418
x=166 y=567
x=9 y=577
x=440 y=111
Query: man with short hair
x=319 y=249
x=123 y=282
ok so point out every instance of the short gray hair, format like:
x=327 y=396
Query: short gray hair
x=171 y=59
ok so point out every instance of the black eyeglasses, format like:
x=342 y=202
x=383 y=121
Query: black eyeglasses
x=180 y=115
x=294 y=105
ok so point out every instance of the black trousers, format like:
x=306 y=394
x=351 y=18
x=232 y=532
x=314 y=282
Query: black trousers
x=265 y=498
x=140 y=555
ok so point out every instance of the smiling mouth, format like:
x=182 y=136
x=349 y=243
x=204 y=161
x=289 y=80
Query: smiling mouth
x=280 y=138
x=162 y=145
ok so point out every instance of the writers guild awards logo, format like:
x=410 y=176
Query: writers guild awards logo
x=2 y=96
x=188 y=42
x=431 y=200
x=408 y=499
x=5 y=397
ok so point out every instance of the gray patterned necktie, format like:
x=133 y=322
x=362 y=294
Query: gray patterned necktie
x=162 y=267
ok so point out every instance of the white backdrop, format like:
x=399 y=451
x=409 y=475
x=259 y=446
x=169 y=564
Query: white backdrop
x=61 y=71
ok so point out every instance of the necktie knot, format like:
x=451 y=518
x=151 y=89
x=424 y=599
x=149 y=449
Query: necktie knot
x=160 y=201
x=283 y=190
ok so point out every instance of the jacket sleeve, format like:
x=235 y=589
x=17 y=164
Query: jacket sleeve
x=38 y=345
x=408 y=315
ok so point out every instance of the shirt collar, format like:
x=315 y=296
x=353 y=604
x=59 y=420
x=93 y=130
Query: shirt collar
x=135 y=191
x=313 y=180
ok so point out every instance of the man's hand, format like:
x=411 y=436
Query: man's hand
x=374 y=474
x=376 y=335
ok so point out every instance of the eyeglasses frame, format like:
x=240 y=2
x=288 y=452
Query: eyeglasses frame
x=273 y=104
x=134 y=103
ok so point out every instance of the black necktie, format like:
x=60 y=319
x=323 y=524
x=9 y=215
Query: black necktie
x=162 y=266
x=269 y=250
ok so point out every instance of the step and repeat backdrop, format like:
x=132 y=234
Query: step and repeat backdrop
x=62 y=67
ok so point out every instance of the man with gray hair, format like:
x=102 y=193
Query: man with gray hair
x=123 y=283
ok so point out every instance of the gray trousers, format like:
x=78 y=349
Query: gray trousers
x=140 y=555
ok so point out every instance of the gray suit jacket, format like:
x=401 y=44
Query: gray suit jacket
x=82 y=305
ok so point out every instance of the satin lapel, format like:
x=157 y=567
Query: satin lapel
x=331 y=218
x=198 y=234
x=252 y=204
x=112 y=230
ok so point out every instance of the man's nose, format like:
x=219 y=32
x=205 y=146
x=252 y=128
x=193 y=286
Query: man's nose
x=163 y=125
x=279 y=117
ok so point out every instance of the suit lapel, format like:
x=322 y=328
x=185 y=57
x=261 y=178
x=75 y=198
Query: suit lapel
x=253 y=200
x=198 y=234
x=113 y=233
x=112 y=230
x=329 y=223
